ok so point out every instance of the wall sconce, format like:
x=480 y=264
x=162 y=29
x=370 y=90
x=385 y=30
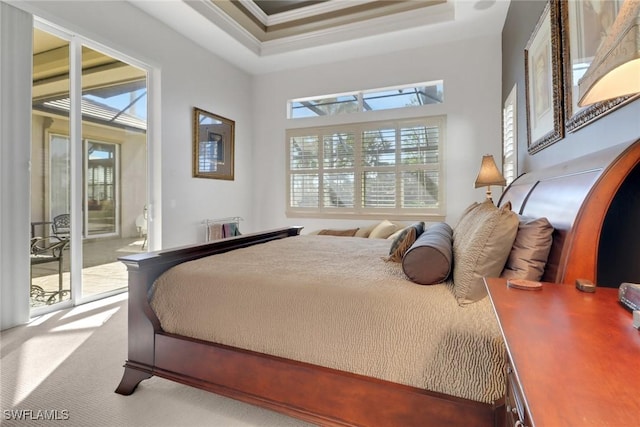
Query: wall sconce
x=615 y=70
x=489 y=175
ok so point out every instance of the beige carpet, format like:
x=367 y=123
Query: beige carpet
x=68 y=363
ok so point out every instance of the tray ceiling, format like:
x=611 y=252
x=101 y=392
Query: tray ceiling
x=268 y=35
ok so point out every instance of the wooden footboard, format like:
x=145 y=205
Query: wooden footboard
x=312 y=393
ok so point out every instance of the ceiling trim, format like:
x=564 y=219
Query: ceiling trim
x=214 y=30
x=301 y=13
x=213 y=14
x=353 y=25
x=400 y=21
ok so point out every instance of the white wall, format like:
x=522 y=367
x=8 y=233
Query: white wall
x=190 y=77
x=471 y=71
x=15 y=119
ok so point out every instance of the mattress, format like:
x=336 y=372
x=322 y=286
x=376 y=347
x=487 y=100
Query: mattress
x=335 y=302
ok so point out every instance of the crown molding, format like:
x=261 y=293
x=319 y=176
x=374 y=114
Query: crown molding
x=399 y=21
x=437 y=13
x=302 y=13
x=210 y=11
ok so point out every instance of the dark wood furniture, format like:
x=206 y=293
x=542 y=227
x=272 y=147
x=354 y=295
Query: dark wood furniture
x=573 y=356
x=581 y=198
x=317 y=394
x=575 y=198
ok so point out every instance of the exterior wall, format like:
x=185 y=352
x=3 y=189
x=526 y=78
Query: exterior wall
x=131 y=179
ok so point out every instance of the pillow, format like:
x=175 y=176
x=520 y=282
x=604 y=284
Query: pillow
x=482 y=241
x=463 y=218
x=329 y=232
x=428 y=260
x=403 y=241
x=383 y=230
x=365 y=231
x=396 y=234
x=530 y=250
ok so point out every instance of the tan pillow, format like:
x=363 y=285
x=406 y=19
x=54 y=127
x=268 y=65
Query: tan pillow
x=365 y=231
x=330 y=232
x=464 y=218
x=530 y=250
x=383 y=230
x=482 y=241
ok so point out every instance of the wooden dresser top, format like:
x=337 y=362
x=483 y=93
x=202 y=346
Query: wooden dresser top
x=576 y=355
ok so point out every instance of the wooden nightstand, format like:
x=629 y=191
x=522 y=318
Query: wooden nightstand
x=574 y=357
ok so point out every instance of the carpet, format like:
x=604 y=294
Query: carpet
x=62 y=369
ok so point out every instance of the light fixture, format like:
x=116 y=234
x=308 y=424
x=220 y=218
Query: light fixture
x=489 y=175
x=615 y=69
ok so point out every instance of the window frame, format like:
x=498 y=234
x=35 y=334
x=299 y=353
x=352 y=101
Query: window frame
x=510 y=136
x=359 y=101
x=359 y=211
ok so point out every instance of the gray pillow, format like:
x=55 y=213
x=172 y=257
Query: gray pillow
x=530 y=250
x=428 y=260
x=482 y=241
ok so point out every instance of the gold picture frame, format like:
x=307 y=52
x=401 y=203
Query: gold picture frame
x=584 y=25
x=543 y=81
x=213 y=145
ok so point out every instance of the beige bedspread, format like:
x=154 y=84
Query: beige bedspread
x=332 y=301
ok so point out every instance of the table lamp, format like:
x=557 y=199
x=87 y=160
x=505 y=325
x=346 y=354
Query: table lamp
x=615 y=69
x=489 y=175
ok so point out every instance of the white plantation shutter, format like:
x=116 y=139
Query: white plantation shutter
x=367 y=168
x=509 y=138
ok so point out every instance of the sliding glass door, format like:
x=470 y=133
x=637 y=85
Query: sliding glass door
x=51 y=212
x=89 y=170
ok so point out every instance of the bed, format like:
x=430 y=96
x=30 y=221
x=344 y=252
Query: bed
x=313 y=386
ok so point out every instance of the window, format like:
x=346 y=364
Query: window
x=406 y=96
x=391 y=167
x=509 y=138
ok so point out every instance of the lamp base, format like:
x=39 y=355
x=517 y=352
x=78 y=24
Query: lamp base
x=489 y=193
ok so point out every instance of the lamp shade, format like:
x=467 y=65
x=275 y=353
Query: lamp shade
x=489 y=173
x=615 y=70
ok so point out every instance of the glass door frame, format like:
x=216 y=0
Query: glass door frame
x=76 y=42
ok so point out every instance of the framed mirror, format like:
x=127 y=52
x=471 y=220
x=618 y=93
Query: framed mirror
x=213 y=145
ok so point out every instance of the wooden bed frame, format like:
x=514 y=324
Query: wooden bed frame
x=575 y=197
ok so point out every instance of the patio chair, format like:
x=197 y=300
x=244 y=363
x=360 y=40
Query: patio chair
x=61 y=226
x=45 y=250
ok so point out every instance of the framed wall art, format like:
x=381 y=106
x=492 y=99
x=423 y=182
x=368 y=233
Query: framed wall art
x=584 y=25
x=213 y=145
x=543 y=82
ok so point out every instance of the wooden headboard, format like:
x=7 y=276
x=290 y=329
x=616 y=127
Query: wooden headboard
x=581 y=198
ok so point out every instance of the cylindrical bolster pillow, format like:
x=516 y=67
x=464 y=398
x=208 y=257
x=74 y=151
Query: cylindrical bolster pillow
x=428 y=260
